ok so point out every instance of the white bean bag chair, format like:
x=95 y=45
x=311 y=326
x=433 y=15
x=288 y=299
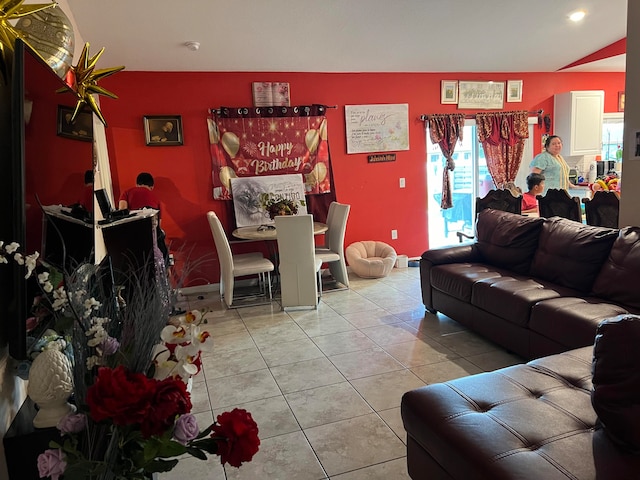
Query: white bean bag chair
x=371 y=259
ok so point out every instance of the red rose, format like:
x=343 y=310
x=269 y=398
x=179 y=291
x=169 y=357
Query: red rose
x=241 y=433
x=169 y=400
x=120 y=395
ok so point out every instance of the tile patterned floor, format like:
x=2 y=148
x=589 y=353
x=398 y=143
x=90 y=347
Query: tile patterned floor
x=325 y=385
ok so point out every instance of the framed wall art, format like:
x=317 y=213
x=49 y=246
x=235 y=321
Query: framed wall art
x=449 y=92
x=621 y=101
x=377 y=128
x=514 y=91
x=481 y=95
x=79 y=129
x=163 y=130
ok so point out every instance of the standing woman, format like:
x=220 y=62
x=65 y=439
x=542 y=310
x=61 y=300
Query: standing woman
x=552 y=165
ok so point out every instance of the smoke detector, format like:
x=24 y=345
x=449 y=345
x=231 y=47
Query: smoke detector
x=193 y=46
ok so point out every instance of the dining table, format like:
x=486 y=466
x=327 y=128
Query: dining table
x=268 y=232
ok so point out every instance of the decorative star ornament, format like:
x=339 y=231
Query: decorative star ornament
x=13 y=10
x=83 y=79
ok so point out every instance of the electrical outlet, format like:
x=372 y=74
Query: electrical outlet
x=402 y=182
x=394 y=234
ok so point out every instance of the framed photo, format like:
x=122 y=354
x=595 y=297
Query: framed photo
x=481 y=95
x=514 y=90
x=80 y=129
x=449 y=92
x=621 y=101
x=163 y=130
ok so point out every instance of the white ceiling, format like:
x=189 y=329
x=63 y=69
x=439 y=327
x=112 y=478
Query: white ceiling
x=349 y=35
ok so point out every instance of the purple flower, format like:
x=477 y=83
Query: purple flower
x=51 y=463
x=110 y=346
x=72 y=423
x=186 y=429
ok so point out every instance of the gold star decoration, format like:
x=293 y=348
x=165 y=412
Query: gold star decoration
x=13 y=10
x=85 y=82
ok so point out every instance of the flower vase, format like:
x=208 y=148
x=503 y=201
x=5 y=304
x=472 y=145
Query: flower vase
x=50 y=386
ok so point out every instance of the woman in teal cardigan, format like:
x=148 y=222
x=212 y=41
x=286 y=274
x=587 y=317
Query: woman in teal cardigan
x=552 y=165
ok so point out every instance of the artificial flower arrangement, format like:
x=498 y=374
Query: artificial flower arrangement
x=276 y=205
x=608 y=183
x=133 y=406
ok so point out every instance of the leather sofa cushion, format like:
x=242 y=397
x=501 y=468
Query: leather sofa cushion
x=618 y=278
x=571 y=254
x=532 y=421
x=571 y=321
x=616 y=380
x=457 y=279
x=507 y=240
x=510 y=298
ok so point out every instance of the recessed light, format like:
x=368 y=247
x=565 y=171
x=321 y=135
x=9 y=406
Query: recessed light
x=577 y=15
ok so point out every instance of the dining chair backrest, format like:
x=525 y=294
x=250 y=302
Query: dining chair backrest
x=298 y=265
x=337 y=226
x=602 y=209
x=499 y=200
x=221 y=242
x=557 y=203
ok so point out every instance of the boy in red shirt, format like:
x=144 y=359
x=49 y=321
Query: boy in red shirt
x=141 y=195
x=535 y=184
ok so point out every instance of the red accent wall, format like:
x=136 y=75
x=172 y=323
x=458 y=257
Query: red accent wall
x=378 y=205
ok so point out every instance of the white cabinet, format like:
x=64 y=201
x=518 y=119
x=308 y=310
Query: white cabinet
x=578 y=121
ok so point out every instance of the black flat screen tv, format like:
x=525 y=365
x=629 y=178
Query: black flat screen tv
x=47 y=167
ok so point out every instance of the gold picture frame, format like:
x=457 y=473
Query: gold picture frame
x=163 y=130
x=514 y=90
x=81 y=128
x=449 y=92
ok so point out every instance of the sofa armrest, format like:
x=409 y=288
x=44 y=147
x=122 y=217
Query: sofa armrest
x=443 y=256
x=458 y=254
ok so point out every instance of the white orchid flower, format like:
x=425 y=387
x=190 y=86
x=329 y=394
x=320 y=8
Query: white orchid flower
x=173 y=334
x=193 y=317
x=30 y=262
x=204 y=341
x=12 y=247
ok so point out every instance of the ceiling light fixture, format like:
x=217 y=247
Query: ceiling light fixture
x=577 y=15
x=193 y=46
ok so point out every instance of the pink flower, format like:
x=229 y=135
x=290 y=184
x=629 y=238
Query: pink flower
x=186 y=429
x=72 y=423
x=51 y=463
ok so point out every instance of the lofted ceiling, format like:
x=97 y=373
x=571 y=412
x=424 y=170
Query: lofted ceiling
x=350 y=35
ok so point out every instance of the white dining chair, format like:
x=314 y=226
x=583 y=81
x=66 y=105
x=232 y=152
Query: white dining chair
x=332 y=253
x=299 y=269
x=239 y=265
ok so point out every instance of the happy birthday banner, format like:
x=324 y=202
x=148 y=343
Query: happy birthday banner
x=245 y=142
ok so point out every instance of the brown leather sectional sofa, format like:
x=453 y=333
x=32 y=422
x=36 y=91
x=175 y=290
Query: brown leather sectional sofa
x=537 y=287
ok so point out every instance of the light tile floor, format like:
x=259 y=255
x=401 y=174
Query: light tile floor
x=325 y=385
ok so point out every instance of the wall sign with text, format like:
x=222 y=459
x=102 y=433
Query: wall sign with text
x=377 y=128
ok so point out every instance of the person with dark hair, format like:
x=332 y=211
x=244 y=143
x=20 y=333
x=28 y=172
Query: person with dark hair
x=535 y=184
x=142 y=196
x=551 y=163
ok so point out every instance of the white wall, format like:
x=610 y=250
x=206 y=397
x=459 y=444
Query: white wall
x=629 y=192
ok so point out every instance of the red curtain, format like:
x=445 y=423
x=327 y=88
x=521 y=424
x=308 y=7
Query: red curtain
x=502 y=135
x=446 y=130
